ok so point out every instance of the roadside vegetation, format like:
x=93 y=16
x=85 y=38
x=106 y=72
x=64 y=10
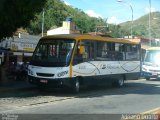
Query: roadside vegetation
x=16 y=14
x=27 y=14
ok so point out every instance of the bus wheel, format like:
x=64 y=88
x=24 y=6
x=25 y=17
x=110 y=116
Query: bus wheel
x=76 y=86
x=147 y=78
x=119 y=83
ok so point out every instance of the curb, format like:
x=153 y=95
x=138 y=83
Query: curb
x=17 y=86
x=3 y=90
x=153 y=111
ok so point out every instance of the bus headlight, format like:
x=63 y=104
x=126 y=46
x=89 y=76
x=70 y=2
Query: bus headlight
x=156 y=59
x=144 y=69
x=30 y=72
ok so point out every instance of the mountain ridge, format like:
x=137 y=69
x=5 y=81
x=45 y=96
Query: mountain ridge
x=140 y=26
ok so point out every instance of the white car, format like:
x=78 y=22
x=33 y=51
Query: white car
x=151 y=63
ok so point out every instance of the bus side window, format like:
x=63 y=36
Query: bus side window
x=87 y=53
x=120 y=51
x=102 y=51
x=78 y=57
x=132 y=52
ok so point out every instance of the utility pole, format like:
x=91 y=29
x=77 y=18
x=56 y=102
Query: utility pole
x=149 y=23
x=101 y=28
x=42 y=21
x=128 y=4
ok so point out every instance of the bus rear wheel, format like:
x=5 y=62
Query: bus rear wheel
x=147 y=78
x=76 y=86
x=118 y=83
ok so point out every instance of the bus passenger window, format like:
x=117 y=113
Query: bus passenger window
x=132 y=52
x=120 y=51
x=86 y=53
x=78 y=56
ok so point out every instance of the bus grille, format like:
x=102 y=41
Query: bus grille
x=45 y=74
x=154 y=70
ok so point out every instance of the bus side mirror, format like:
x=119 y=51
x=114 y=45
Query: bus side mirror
x=81 y=50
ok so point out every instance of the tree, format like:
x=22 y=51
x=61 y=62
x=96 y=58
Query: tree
x=16 y=14
x=56 y=11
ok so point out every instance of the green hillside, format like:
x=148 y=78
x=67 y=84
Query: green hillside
x=141 y=26
x=56 y=11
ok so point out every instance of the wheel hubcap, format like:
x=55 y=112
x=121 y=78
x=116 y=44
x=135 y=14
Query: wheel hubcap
x=77 y=86
x=121 y=82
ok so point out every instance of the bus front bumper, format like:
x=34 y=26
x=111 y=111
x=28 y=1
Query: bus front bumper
x=62 y=82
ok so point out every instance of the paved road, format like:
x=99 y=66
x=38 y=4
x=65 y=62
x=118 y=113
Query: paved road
x=135 y=97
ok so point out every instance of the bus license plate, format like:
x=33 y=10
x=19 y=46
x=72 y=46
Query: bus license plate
x=44 y=81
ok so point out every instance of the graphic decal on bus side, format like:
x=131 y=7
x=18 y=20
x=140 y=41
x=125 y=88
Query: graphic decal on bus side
x=101 y=68
x=62 y=73
x=130 y=66
x=95 y=66
x=83 y=73
x=86 y=68
x=113 y=66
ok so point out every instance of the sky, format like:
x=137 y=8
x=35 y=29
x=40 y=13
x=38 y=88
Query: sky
x=116 y=12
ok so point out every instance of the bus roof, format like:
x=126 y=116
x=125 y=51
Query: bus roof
x=90 y=37
x=153 y=48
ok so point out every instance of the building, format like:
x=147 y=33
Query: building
x=20 y=47
x=68 y=27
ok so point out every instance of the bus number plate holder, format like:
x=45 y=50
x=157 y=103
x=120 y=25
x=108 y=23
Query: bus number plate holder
x=44 y=81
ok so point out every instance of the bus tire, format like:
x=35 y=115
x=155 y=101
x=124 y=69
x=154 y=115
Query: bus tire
x=147 y=78
x=76 y=86
x=118 y=83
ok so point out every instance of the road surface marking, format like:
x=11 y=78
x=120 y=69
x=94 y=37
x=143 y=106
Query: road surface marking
x=153 y=111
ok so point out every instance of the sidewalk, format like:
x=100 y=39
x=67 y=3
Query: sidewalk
x=9 y=84
x=14 y=86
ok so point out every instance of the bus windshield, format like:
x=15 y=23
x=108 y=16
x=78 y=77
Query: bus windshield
x=53 y=53
x=152 y=57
